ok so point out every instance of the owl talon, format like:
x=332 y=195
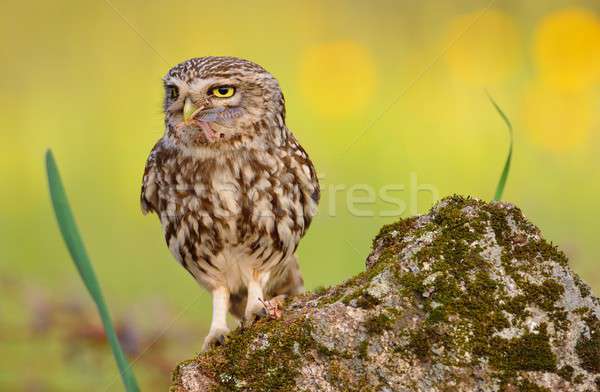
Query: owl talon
x=271 y=309
x=250 y=320
x=214 y=339
x=257 y=313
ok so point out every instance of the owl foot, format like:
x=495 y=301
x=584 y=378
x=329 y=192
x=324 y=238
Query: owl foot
x=271 y=309
x=216 y=337
x=257 y=312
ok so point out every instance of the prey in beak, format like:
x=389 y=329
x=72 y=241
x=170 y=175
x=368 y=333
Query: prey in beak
x=190 y=112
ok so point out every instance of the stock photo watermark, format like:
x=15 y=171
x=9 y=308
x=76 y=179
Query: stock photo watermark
x=359 y=200
x=390 y=200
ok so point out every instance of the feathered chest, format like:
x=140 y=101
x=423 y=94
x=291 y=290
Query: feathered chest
x=254 y=199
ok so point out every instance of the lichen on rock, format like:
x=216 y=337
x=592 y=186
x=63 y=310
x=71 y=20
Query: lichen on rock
x=469 y=297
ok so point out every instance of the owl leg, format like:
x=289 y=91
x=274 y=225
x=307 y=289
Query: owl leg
x=218 y=326
x=255 y=308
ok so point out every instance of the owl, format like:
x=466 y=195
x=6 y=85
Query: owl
x=232 y=187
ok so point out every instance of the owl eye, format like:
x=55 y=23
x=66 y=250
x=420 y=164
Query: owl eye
x=223 y=91
x=172 y=92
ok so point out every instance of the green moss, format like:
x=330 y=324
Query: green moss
x=560 y=319
x=363 y=349
x=337 y=374
x=241 y=365
x=583 y=288
x=412 y=283
x=402 y=227
x=464 y=291
x=437 y=315
x=362 y=299
x=528 y=386
x=566 y=372
x=324 y=351
x=342 y=378
x=578 y=379
x=462 y=286
x=329 y=298
x=499 y=224
x=530 y=352
x=582 y=311
x=320 y=290
x=538 y=250
x=588 y=348
x=378 y=323
x=331 y=353
x=177 y=372
x=420 y=343
x=544 y=295
x=517 y=306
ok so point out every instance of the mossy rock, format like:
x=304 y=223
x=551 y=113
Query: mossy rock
x=469 y=297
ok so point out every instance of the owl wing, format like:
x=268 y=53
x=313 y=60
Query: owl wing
x=149 y=194
x=309 y=182
x=300 y=155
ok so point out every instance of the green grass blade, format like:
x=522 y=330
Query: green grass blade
x=70 y=234
x=506 y=170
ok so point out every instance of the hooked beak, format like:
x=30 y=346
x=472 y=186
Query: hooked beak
x=189 y=110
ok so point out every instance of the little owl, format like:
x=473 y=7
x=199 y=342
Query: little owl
x=233 y=188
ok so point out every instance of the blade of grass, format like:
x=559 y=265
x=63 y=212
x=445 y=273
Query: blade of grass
x=70 y=234
x=506 y=170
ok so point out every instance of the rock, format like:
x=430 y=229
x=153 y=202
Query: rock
x=469 y=297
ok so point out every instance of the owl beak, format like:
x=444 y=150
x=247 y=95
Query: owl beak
x=189 y=110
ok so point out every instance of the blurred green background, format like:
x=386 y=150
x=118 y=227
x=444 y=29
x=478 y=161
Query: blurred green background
x=382 y=93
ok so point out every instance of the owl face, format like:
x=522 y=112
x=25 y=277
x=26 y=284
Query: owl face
x=214 y=100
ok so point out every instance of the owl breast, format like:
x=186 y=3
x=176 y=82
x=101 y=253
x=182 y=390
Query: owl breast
x=220 y=212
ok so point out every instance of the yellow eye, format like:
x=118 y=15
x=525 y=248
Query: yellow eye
x=223 y=91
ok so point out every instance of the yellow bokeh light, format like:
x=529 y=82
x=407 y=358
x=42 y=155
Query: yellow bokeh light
x=557 y=120
x=483 y=48
x=337 y=78
x=567 y=48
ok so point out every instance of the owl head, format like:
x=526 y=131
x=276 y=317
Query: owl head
x=220 y=101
